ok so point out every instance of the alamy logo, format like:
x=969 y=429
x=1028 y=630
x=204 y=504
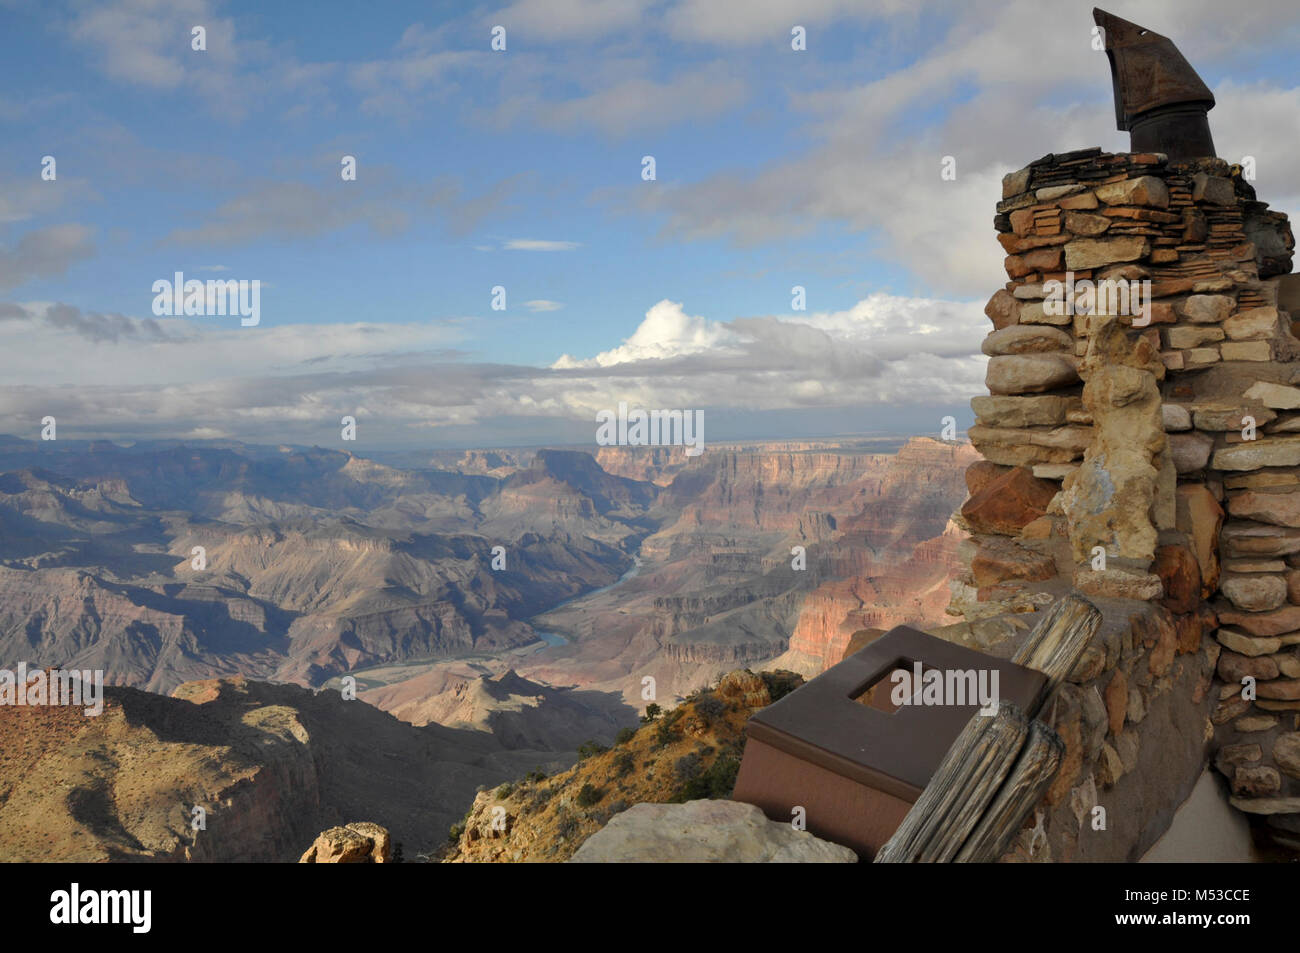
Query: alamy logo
x=1098 y=297
x=73 y=906
x=194 y=298
x=53 y=687
x=945 y=687
x=651 y=428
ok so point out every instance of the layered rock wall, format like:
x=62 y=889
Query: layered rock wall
x=1141 y=443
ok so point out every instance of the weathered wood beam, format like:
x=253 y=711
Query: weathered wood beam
x=1035 y=767
x=962 y=788
x=1058 y=641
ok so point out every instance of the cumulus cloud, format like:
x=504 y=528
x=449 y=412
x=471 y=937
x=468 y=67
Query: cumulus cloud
x=113 y=376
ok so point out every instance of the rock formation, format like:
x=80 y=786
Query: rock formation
x=357 y=843
x=269 y=766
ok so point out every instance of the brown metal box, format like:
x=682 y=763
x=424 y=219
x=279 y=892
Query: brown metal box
x=854 y=768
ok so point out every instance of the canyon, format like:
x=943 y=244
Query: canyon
x=497 y=609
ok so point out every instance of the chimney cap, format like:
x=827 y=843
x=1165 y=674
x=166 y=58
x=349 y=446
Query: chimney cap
x=1147 y=70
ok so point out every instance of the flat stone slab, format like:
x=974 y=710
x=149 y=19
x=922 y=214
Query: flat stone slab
x=705 y=832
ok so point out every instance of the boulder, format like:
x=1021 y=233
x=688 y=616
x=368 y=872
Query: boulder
x=1029 y=373
x=1191 y=451
x=1255 y=592
x=1007 y=503
x=1002 y=309
x=1027 y=339
x=704 y=832
x=980 y=473
x=358 y=843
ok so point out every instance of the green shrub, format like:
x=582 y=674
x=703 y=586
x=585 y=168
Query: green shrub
x=710 y=706
x=718 y=781
x=624 y=764
x=625 y=735
x=589 y=748
x=652 y=711
x=505 y=790
x=589 y=795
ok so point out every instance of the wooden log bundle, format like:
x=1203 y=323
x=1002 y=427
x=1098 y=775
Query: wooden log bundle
x=999 y=766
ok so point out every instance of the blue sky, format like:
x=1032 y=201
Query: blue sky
x=522 y=169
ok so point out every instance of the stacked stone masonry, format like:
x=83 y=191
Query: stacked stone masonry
x=1149 y=457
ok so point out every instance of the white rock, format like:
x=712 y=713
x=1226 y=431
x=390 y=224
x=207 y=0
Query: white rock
x=704 y=832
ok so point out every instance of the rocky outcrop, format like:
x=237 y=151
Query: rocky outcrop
x=720 y=832
x=230 y=770
x=357 y=843
x=688 y=753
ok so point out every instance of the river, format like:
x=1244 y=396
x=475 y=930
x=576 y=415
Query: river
x=554 y=638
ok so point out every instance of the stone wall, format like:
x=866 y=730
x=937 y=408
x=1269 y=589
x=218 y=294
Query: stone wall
x=1149 y=457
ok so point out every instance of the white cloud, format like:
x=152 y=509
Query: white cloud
x=115 y=376
x=874 y=148
x=541 y=304
x=667 y=331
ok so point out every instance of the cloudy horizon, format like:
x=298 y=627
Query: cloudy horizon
x=515 y=177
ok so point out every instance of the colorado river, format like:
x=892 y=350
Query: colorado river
x=554 y=638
